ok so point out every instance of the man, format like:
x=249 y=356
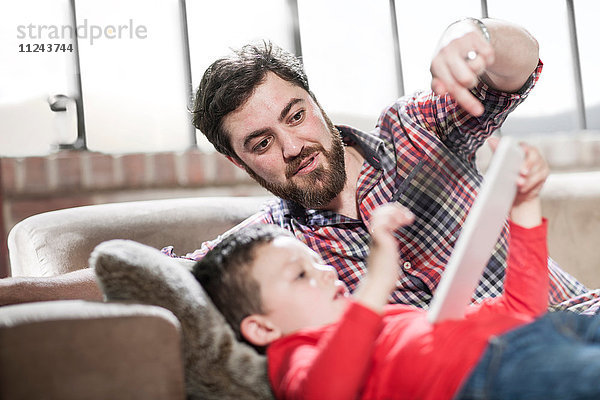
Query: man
x=257 y=109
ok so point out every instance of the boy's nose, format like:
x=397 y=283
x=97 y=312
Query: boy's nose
x=327 y=273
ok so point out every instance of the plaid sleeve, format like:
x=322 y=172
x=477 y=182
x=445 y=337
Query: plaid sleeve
x=262 y=217
x=461 y=132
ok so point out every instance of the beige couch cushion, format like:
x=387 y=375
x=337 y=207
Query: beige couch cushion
x=71 y=350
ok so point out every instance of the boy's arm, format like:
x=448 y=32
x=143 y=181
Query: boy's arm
x=526 y=283
x=526 y=209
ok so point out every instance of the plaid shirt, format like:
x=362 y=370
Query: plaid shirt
x=422 y=155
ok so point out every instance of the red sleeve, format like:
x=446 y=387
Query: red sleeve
x=333 y=365
x=526 y=283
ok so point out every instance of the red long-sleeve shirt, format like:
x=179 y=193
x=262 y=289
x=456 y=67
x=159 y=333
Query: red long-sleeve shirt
x=399 y=355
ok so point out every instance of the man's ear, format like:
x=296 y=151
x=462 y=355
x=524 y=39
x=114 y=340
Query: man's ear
x=236 y=162
x=259 y=330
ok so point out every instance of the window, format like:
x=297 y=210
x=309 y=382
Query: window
x=215 y=27
x=133 y=77
x=139 y=63
x=348 y=53
x=419 y=35
x=588 y=32
x=551 y=106
x=28 y=126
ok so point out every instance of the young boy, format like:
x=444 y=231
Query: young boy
x=323 y=344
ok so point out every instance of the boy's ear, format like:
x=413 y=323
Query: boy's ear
x=236 y=162
x=259 y=330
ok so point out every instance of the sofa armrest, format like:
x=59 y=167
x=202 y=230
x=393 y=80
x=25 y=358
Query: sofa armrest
x=75 y=349
x=57 y=242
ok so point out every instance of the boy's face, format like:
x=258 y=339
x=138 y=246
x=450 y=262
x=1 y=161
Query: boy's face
x=297 y=289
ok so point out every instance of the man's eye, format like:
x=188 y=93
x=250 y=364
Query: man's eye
x=263 y=144
x=301 y=275
x=297 y=117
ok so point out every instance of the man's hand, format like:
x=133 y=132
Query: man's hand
x=462 y=55
x=383 y=259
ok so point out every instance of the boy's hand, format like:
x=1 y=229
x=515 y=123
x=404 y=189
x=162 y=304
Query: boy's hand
x=532 y=175
x=534 y=172
x=383 y=259
x=526 y=209
x=382 y=224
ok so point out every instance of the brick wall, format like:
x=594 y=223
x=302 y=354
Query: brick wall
x=32 y=185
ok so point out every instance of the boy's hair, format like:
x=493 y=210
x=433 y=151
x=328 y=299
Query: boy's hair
x=230 y=81
x=225 y=273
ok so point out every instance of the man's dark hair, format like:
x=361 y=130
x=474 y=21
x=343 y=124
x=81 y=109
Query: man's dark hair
x=225 y=273
x=230 y=81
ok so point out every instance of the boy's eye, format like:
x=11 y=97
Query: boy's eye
x=301 y=275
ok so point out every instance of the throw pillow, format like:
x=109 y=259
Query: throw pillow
x=217 y=366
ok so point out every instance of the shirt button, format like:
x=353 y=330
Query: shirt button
x=407 y=265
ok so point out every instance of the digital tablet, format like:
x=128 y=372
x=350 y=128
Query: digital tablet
x=479 y=234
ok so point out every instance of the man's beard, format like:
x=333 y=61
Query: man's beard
x=321 y=185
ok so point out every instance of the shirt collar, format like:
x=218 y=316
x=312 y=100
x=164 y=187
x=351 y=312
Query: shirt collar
x=370 y=145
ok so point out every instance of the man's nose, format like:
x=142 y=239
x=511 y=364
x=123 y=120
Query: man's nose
x=291 y=145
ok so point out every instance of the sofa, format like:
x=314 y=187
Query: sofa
x=75 y=349
x=62 y=241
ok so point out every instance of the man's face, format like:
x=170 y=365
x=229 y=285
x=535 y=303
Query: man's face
x=287 y=144
x=297 y=289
